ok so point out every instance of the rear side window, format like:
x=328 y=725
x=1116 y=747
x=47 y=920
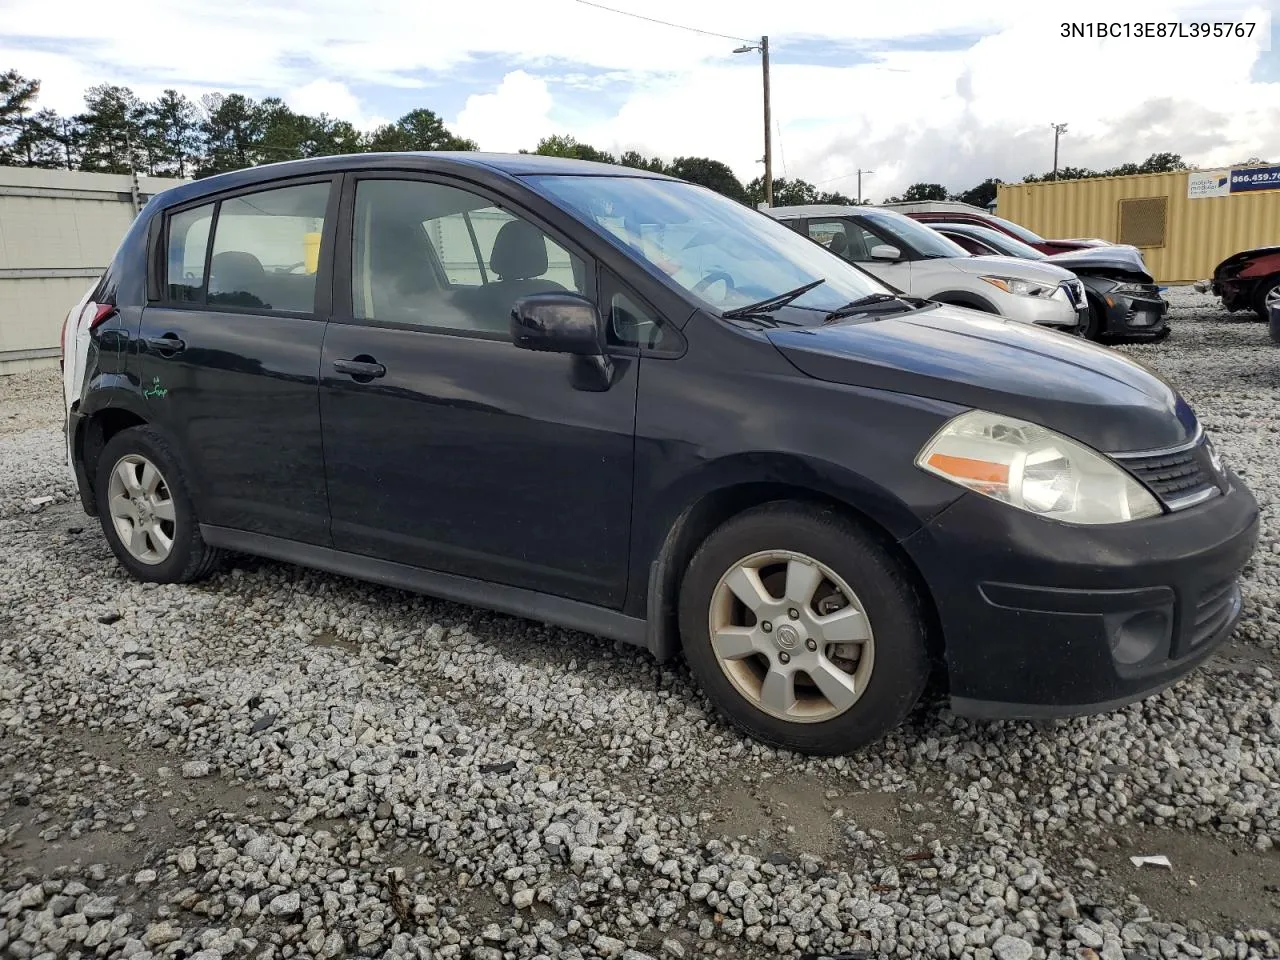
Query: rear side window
x=188 y=243
x=266 y=250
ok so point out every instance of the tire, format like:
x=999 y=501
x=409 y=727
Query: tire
x=891 y=668
x=1093 y=329
x=1268 y=289
x=187 y=557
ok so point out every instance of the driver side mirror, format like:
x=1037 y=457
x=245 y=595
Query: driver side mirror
x=885 y=251
x=557 y=323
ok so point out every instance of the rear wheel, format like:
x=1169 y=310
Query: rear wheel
x=1268 y=295
x=146 y=510
x=803 y=630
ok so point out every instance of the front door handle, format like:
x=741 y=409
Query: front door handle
x=362 y=369
x=167 y=346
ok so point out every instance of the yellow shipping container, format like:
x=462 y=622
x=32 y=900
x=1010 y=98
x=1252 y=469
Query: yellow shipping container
x=1181 y=238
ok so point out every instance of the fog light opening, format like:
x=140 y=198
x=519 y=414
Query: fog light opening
x=1136 y=636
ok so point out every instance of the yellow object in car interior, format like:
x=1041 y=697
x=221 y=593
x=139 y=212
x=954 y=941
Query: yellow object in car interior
x=311 y=251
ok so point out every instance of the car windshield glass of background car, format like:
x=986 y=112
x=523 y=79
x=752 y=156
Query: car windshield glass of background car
x=925 y=240
x=724 y=253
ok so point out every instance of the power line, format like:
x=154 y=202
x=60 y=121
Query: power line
x=665 y=23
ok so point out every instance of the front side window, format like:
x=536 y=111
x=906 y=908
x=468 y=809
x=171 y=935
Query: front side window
x=844 y=238
x=725 y=254
x=266 y=249
x=187 y=245
x=433 y=255
x=913 y=235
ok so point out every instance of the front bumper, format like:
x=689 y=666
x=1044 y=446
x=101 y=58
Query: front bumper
x=1135 y=316
x=1236 y=294
x=1043 y=619
x=1055 y=311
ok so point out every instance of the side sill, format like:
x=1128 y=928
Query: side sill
x=570 y=614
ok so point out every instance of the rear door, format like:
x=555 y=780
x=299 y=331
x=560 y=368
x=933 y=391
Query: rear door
x=230 y=353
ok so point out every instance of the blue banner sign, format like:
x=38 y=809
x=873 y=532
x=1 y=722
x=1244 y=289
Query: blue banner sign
x=1244 y=179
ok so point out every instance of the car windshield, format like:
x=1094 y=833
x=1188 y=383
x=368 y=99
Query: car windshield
x=1010 y=246
x=724 y=253
x=924 y=240
x=1021 y=232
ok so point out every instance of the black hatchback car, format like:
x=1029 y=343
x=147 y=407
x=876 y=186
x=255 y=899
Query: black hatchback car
x=617 y=402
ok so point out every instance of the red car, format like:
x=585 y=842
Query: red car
x=1248 y=280
x=949 y=211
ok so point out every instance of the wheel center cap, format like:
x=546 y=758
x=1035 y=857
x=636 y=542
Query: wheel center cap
x=787 y=637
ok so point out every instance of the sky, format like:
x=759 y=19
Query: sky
x=912 y=90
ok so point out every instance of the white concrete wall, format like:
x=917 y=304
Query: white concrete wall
x=58 y=232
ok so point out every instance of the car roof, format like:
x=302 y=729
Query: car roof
x=936 y=206
x=826 y=210
x=508 y=164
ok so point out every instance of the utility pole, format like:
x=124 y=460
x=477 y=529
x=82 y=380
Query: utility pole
x=763 y=48
x=860 y=173
x=768 y=126
x=1058 y=130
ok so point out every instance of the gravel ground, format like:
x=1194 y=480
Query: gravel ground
x=280 y=763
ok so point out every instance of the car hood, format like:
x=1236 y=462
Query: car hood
x=1013 y=267
x=1102 y=258
x=960 y=356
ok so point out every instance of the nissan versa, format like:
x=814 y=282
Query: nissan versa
x=622 y=403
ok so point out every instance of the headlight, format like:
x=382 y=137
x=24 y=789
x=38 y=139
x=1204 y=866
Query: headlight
x=1023 y=288
x=1034 y=469
x=1135 y=289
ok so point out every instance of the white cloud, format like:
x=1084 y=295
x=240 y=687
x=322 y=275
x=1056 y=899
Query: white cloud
x=932 y=112
x=332 y=98
x=515 y=115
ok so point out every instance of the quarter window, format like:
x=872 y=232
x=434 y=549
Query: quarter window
x=266 y=249
x=188 y=244
x=438 y=256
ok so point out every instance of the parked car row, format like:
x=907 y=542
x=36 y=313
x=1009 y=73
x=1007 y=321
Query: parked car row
x=621 y=403
x=1098 y=290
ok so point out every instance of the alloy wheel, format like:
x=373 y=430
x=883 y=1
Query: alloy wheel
x=142 y=509
x=792 y=636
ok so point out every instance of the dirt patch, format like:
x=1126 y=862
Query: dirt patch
x=811 y=815
x=1211 y=879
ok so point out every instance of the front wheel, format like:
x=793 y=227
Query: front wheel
x=1268 y=296
x=803 y=630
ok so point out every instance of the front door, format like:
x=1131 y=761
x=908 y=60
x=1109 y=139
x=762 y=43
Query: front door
x=446 y=446
x=230 y=355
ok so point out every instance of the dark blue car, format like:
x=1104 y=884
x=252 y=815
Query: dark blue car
x=622 y=403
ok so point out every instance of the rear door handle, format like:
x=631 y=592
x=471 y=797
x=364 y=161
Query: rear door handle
x=362 y=370
x=168 y=344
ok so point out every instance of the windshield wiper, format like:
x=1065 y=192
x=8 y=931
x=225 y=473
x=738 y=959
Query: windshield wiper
x=771 y=303
x=862 y=304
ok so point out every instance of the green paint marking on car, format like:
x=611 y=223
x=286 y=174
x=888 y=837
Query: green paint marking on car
x=155 y=391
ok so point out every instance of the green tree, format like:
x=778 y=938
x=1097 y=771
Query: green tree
x=171 y=134
x=981 y=195
x=111 y=130
x=709 y=173
x=419 y=129
x=919 y=192
x=566 y=146
x=232 y=130
x=786 y=193
x=638 y=161
x=17 y=100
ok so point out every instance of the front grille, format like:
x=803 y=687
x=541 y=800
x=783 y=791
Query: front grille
x=1180 y=478
x=1215 y=606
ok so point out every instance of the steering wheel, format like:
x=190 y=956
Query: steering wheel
x=714 y=276
x=292 y=268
